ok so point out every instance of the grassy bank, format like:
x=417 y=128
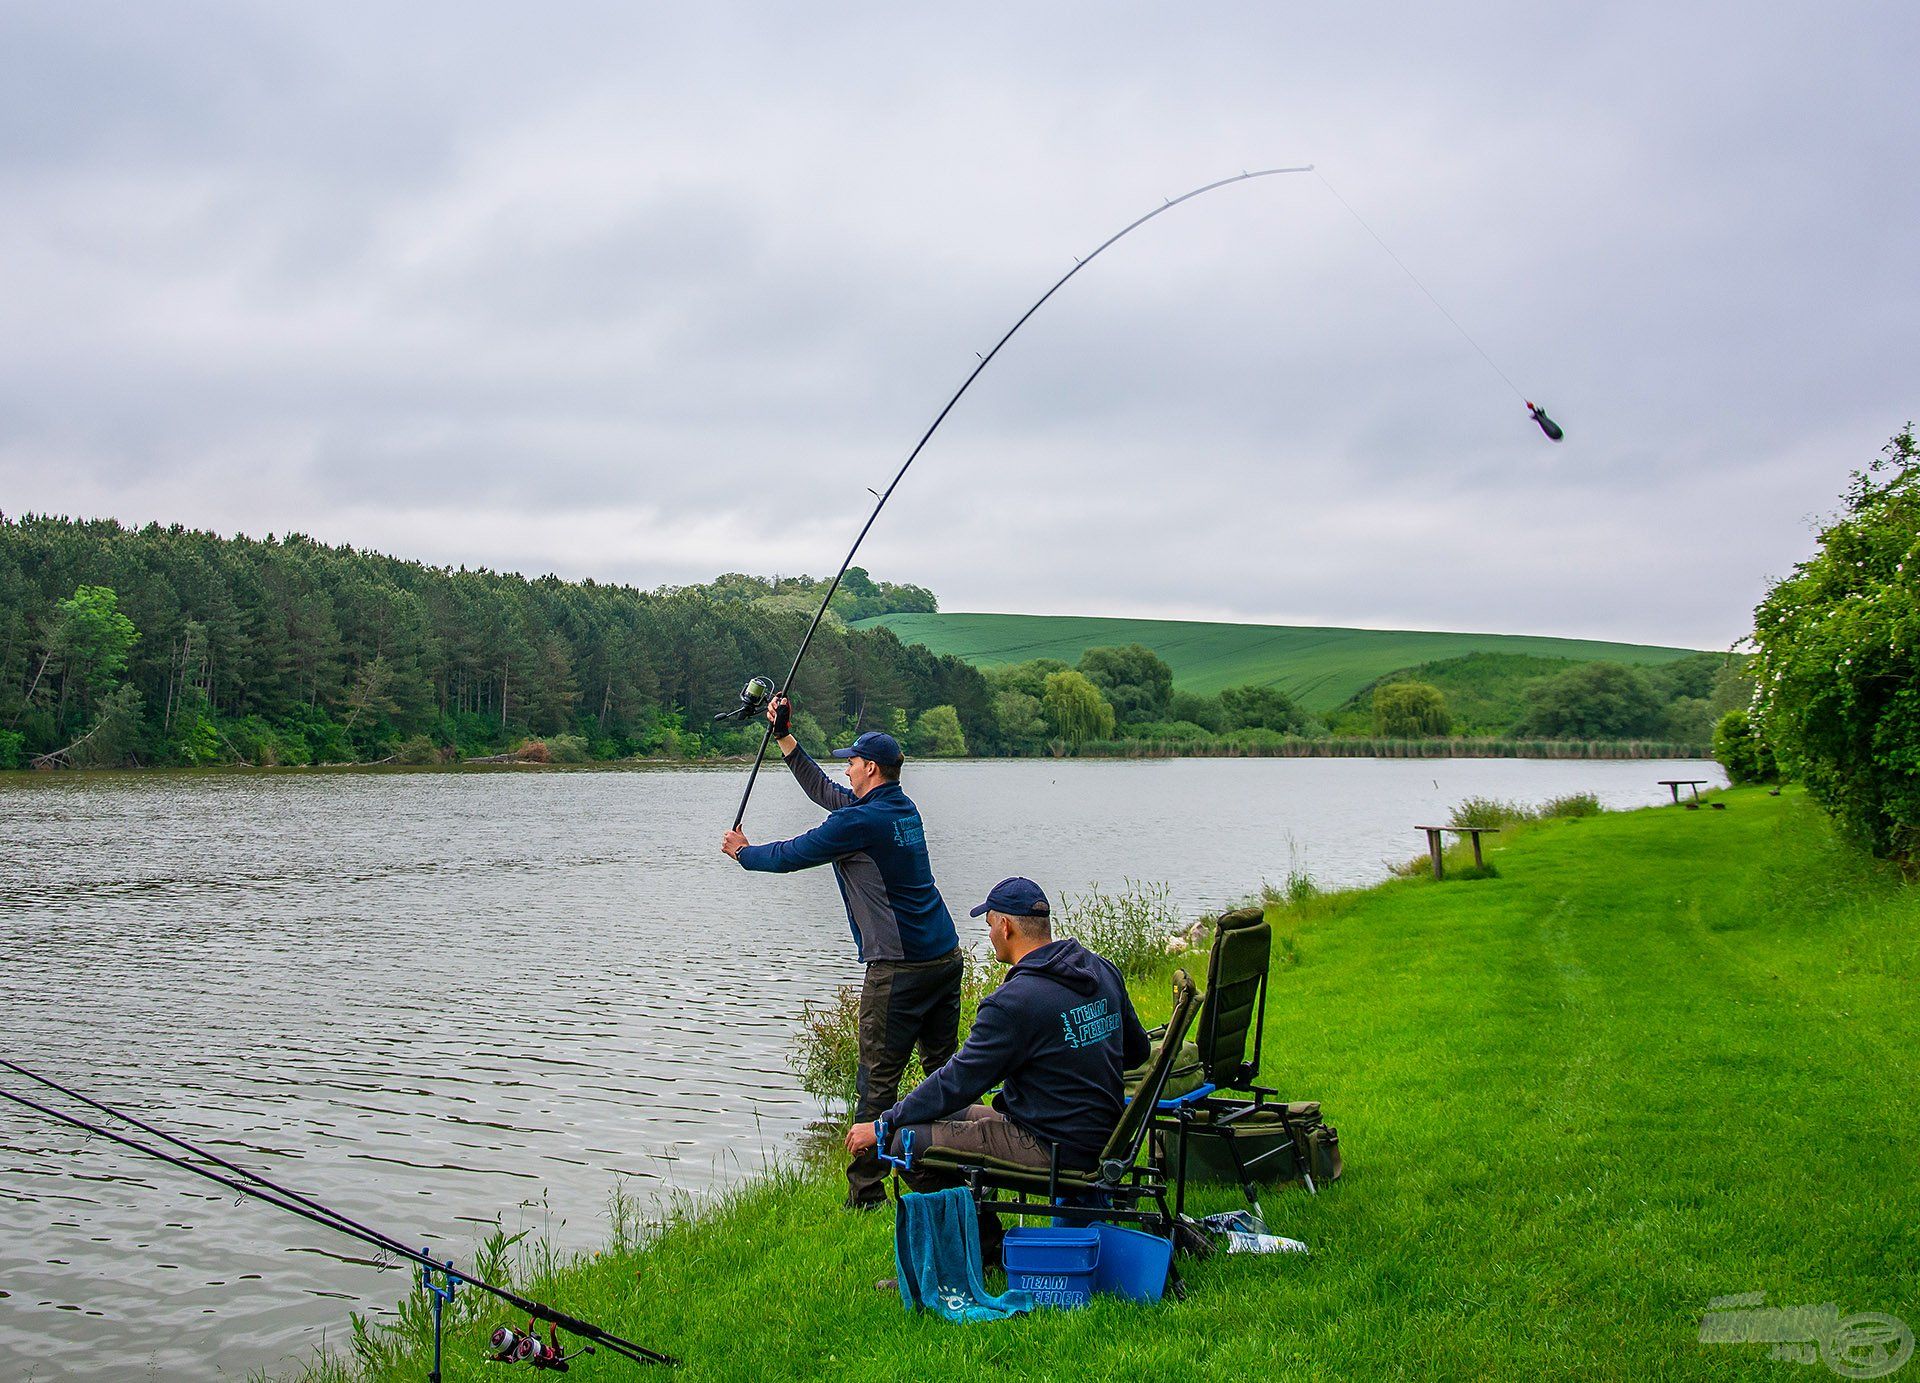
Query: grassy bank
x=1656 y=1058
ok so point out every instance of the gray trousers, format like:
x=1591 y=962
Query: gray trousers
x=978 y=1131
x=903 y=1005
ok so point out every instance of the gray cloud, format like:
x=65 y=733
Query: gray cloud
x=647 y=297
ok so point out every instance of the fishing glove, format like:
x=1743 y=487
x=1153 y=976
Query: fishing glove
x=782 y=718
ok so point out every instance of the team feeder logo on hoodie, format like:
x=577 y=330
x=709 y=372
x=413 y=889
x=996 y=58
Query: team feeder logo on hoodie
x=1090 y=1023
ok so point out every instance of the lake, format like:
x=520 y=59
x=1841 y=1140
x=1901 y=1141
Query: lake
x=441 y=1000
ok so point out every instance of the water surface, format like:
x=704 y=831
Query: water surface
x=440 y=1000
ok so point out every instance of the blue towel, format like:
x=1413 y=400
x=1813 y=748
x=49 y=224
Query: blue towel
x=936 y=1251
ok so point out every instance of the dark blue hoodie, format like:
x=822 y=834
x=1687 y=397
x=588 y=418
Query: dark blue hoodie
x=1061 y=1032
x=878 y=850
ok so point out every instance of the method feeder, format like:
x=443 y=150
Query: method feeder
x=758 y=691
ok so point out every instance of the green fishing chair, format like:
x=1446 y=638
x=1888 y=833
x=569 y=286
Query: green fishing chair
x=1213 y=1117
x=1120 y=1188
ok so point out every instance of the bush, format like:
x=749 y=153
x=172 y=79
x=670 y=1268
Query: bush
x=417 y=750
x=1075 y=709
x=1839 y=661
x=1496 y=811
x=1261 y=708
x=1184 y=731
x=1595 y=701
x=1489 y=811
x=1409 y=710
x=1738 y=748
x=568 y=749
x=1130 y=928
x=10 y=742
x=1134 y=679
x=937 y=734
x=1204 y=711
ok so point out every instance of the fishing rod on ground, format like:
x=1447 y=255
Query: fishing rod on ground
x=439 y=1279
x=759 y=692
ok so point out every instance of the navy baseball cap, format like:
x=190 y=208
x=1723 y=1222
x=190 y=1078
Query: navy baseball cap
x=1016 y=897
x=881 y=748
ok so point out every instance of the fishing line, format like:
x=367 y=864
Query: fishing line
x=751 y=699
x=261 y=1188
x=759 y=691
x=1415 y=279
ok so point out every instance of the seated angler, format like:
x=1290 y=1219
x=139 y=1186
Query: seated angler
x=1060 y=1032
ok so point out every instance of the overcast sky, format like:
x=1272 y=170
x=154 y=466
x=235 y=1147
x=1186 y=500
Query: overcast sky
x=650 y=293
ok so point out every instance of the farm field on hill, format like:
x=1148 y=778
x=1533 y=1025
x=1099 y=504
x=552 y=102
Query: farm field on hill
x=1319 y=668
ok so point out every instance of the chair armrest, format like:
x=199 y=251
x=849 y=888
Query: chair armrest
x=1193 y=1096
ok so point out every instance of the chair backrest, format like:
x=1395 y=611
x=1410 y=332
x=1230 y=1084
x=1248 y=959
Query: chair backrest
x=1123 y=1148
x=1235 y=1007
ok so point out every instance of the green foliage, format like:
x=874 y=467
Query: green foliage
x=807 y=729
x=1136 y=682
x=859 y=596
x=1320 y=668
x=118 y=735
x=1171 y=731
x=10 y=743
x=1261 y=708
x=1496 y=811
x=1074 y=708
x=568 y=749
x=1839 y=660
x=1595 y=701
x=1130 y=927
x=1738 y=748
x=1029 y=677
x=937 y=734
x=92 y=636
x=417 y=750
x=1487 y=692
x=295 y=652
x=1204 y=711
x=1410 y=710
x=1022 y=727
x=1489 y=811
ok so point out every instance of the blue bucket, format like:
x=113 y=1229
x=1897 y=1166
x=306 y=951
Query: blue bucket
x=1132 y=1264
x=1056 y=1266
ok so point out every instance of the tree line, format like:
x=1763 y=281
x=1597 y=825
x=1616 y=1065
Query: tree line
x=169 y=645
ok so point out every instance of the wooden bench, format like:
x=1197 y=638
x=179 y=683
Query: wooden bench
x=1433 y=843
x=1674 y=785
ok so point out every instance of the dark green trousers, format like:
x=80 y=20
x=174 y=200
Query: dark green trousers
x=903 y=1005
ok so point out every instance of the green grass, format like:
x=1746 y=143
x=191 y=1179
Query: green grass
x=1655 y=1058
x=1320 y=668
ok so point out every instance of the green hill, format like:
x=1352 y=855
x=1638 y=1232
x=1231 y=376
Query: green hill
x=1319 y=668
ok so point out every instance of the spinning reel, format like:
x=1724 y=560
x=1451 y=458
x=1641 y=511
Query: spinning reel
x=512 y=1346
x=753 y=700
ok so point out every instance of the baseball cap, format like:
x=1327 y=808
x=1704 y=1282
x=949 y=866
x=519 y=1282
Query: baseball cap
x=1016 y=897
x=880 y=748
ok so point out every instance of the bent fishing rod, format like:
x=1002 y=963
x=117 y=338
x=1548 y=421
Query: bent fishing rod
x=760 y=690
x=249 y=1183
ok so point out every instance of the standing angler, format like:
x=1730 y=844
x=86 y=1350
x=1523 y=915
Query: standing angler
x=877 y=846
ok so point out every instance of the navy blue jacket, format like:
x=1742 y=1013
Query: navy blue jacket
x=878 y=850
x=1061 y=1032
